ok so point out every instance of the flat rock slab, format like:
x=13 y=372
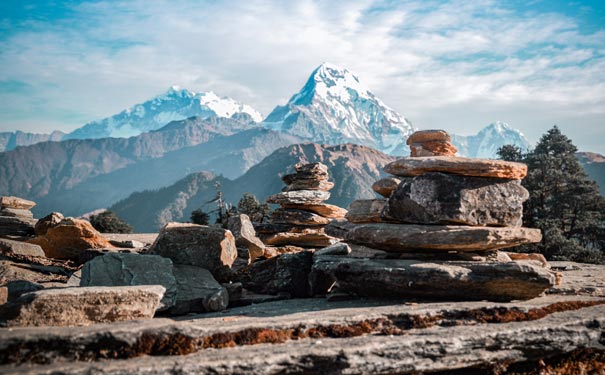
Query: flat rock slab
x=366 y=211
x=16 y=202
x=441 y=198
x=386 y=186
x=297 y=217
x=299 y=197
x=146 y=238
x=82 y=306
x=442 y=280
x=416 y=166
x=323 y=209
x=16 y=226
x=429 y=135
x=20 y=248
x=579 y=279
x=309 y=184
x=408 y=238
x=306 y=239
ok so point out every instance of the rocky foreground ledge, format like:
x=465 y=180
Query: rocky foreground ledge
x=562 y=332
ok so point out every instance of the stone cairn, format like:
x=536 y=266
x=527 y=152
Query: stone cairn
x=300 y=221
x=437 y=231
x=16 y=219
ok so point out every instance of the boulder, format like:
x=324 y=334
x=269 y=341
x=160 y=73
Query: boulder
x=441 y=280
x=299 y=197
x=197 y=291
x=16 y=202
x=49 y=221
x=82 y=306
x=326 y=210
x=245 y=236
x=386 y=186
x=440 y=198
x=430 y=135
x=16 y=288
x=410 y=238
x=69 y=237
x=306 y=239
x=124 y=269
x=286 y=273
x=297 y=217
x=366 y=211
x=197 y=245
x=410 y=167
x=20 y=248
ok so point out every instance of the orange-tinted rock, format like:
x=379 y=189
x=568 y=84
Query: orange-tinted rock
x=326 y=210
x=67 y=239
x=422 y=136
x=409 y=167
x=386 y=186
x=306 y=239
x=433 y=148
x=16 y=202
x=533 y=256
x=51 y=220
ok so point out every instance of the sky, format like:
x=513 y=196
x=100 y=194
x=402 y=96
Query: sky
x=455 y=65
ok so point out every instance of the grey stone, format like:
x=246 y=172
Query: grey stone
x=129 y=244
x=20 y=248
x=16 y=212
x=18 y=287
x=366 y=211
x=439 y=198
x=123 y=269
x=340 y=248
x=197 y=291
x=16 y=226
x=16 y=202
x=299 y=197
x=297 y=217
x=245 y=236
x=338 y=228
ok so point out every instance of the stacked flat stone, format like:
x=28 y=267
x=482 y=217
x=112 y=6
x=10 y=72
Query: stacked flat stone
x=431 y=143
x=16 y=219
x=303 y=215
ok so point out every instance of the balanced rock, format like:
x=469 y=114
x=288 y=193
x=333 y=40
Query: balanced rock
x=245 y=236
x=308 y=171
x=322 y=209
x=432 y=148
x=440 y=280
x=423 y=136
x=124 y=269
x=297 y=217
x=69 y=237
x=440 y=198
x=16 y=212
x=410 y=238
x=82 y=306
x=49 y=221
x=299 y=197
x=386 y=186
x=307 y=238
x=197 y=291
x=16 y=202
x=309 y=184
x=197 y=245
x=9 y=247
x=410 y=167
x=366 y=211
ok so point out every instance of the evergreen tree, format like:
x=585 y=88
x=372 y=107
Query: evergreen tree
x=200 y=217
x=510 y=153
x=109 y=222
x=249 y=205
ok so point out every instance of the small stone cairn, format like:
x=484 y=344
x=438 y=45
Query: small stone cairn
x=437 y=231
x=300 y=221
x=16 y=219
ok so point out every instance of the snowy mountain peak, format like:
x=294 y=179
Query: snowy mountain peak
x=485 y=144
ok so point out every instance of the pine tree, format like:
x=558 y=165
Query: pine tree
x=510 y=153
x=109 y=222
x=200 y=217
x=249 y=205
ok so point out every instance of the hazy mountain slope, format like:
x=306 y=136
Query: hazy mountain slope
x=485 y=143
x=353 y=168
x=11 y=140
x=594 y=165
x=334 y=107
x=228 y=155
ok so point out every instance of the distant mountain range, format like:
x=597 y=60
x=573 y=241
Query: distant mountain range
x=485 y=144
x=594 y=165
x=11 y=140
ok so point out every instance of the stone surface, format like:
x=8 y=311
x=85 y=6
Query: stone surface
x=69 y=237
x=197 y=291
x=440 y=198
x=306 y=239
x=386 y=186
x=326 y=210
x=410 y=167
x=16 y=226
x=271 y=228
x=409 y=238
x=431 y=135
x=16 y=202
x=299 y=197
x=522 y=256
x=579 y=279
x=197 y=245
x=82 y=306
x=16 y=288
x=297 y=217
x=338 y=228
x=432 y=148
x=123 y=269
x=20 y=248
x=145 y=238
x=11 y=271
x=51 y=220
x=129 y=244
x=339 y=248
x=16 y=212
x=309 y=184
x=273 y=251
x=3 y=295
x=286 y=273
x=366 y=211
x=245 y=236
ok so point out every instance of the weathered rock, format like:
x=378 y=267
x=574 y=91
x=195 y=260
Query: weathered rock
x=410 y=167
x=69 y=237
x=271 y=228
x=326 y=210
x=197 y=245
x=3 y=295
x=16 y=212
x=309 y=184
x=309 y=172
x=49 y=221
x=440 y=198
x=82 y=306
x=247 y=298
x=128 y=244
x=409 y=238
x=16 y=226
x=311 y=168
x=442 y=280
x=306 y=239
x=386 y=186
x=197 y=291
x=523 y=256
x=299 y=197
x=123 y=269
x=321 y=277
x=234 y=290
x=245 y=236
x=433 y=148
x=579 y=279
x=340 y=248
x=16 y=202
x=286 y=273
x=338 y=228
x=18 y=287
x=20 y=248
x=10 y=271
x=297 y=217
x=431 y=135
x=273 y=251
x=366 y=211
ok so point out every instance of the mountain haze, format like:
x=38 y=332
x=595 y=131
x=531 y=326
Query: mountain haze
x=11 y=140
x=485 y=143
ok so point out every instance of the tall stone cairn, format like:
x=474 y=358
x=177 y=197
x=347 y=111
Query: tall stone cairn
x=299 y=222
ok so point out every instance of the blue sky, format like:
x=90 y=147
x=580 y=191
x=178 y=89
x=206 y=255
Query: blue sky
x=457 y=65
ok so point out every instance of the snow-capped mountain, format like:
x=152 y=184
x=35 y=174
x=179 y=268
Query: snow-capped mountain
x=335 y=107
x=485 y=143
x=175 y=104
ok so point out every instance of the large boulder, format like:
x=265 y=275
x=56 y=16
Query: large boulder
x=416 y=166
x=49 y=221
x=197 y=291
x=197 y=245
x=245 y=236
x=67 y=239
x=9 y=247
x=125 y=269
x=440 y=198
x=82 y=306
x=299 y=197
